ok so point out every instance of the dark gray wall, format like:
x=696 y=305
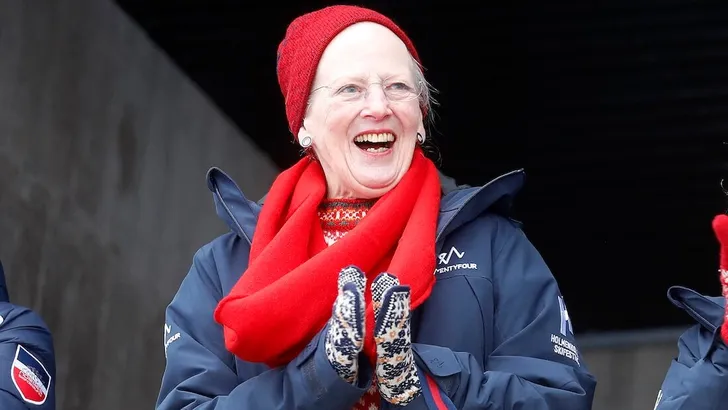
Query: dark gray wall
x=629 y=367
x=104 y=146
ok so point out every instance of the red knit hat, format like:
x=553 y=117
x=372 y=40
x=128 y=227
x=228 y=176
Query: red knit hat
x=306 y=39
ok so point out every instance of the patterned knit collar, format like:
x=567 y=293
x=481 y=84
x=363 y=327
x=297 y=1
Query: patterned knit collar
x=338 y=216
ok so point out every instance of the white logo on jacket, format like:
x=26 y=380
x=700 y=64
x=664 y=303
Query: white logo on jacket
x=168 y=340
x=565 y=319
x=445 y=257
x=562 y=346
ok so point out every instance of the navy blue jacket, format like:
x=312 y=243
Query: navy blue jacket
x=494 y=334
x=27 y=360
x=698 y=378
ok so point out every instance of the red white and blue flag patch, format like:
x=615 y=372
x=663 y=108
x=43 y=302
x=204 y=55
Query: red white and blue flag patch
x=30 y=377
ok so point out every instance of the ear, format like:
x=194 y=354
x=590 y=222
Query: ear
x=302 y=134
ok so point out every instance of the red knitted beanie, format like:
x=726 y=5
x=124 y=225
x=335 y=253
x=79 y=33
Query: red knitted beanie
x=306 y=39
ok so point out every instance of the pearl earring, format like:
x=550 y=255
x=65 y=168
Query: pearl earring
x=306 y=141
x=420 y=138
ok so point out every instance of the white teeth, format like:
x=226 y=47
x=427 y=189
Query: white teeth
x=380 y=149
x=384 y=137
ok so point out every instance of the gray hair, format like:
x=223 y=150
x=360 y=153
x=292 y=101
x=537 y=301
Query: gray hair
x=425 y=91
x=427 y=102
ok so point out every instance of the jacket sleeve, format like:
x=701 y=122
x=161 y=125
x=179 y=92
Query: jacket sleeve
x=698 y=378
x=201 y=374
x=535 y=363
x=27 y=360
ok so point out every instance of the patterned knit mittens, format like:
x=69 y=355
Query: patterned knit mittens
x=396 y=373
x=345 y=337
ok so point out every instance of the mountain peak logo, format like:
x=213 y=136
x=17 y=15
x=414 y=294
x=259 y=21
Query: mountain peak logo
x=446 y=256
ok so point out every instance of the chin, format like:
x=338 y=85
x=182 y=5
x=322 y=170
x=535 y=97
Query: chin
x=374 y=186
x=372 y=176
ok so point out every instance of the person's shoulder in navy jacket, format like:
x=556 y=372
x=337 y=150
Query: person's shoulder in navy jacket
x=27 y=359
x=698 y=377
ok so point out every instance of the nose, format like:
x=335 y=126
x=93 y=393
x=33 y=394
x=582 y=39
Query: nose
x=376 y=104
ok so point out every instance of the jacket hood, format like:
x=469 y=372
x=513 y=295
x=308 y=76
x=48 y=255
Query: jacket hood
x=459 y=204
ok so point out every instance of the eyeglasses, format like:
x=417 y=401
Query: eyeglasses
x=351 y=92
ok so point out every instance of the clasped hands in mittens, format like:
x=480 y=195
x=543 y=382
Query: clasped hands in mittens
x=396 y=374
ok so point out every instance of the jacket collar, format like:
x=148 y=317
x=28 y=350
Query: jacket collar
x=706 y=310
x=459 y=204
x=462 y=205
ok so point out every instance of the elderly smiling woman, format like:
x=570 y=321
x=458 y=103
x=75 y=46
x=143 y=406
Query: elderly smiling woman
x=361 y=283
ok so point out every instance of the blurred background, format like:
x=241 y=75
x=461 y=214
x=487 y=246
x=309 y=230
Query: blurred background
x=111 y=112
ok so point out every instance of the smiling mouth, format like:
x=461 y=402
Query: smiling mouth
x=375 y=143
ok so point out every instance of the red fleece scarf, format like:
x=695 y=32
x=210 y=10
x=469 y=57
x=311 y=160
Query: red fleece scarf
x=286 y=296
